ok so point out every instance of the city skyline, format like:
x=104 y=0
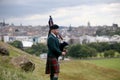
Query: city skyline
x=64 y=12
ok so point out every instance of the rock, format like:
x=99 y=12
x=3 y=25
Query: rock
x=4 y=51
x=28 y=66
x=24 y=63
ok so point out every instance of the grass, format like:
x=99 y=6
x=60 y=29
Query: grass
x=70 y=70
x=112 y=63
x=10 y=72
x=82 y=70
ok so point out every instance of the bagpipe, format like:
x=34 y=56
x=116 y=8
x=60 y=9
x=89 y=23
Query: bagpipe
x=63 y=44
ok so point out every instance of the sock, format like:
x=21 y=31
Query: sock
x=55 y=78
x=51 y=77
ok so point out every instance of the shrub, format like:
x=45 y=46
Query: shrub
x=109 y=53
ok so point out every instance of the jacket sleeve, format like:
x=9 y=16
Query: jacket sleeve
x=54 y=47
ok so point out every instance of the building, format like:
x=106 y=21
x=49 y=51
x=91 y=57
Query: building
x=27 y=44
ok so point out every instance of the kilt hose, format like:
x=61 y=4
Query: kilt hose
x=52 y=66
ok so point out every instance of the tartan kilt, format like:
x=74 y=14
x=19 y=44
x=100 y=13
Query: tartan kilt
x=52 y=66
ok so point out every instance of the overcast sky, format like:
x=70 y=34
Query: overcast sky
x=64 y=12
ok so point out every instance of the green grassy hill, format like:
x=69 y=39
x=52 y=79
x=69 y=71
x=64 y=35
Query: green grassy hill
x=70 y=70
x=9 y=72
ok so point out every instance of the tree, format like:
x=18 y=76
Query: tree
x=87 y=51
x=100 y=47
x=17 y=44
x=109 y=53
x=81 y=51
x=106 y=54
x=92 y=52
x=104 y=46
x=115 y=46
x=37 y=49
x=96 y=46
x=74 y=51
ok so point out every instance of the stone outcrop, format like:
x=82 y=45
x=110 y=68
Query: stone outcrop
x=24 y=63
x=4 y=51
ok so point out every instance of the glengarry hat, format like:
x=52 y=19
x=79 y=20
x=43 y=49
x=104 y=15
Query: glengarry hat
x=54 y=26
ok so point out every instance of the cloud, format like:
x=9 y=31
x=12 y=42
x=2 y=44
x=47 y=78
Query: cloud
x=13 y=8
x=98 y=14
x=102 y=14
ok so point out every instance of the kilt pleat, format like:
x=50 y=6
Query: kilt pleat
x=52 y=66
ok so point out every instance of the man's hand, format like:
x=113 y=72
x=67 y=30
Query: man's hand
x=65 y=50
x=63 y=53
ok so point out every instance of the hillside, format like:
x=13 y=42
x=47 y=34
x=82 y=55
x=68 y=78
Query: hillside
x=70 y=70
x=9 y=72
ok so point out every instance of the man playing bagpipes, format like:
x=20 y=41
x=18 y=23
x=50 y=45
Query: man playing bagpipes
x=55 y=49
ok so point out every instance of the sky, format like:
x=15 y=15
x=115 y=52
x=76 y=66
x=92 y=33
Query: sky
x=63 y=12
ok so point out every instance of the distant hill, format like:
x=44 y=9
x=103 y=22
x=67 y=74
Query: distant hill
x=70 y=70
x=108 y=31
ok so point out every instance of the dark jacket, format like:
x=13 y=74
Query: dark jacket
x=53 y=46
